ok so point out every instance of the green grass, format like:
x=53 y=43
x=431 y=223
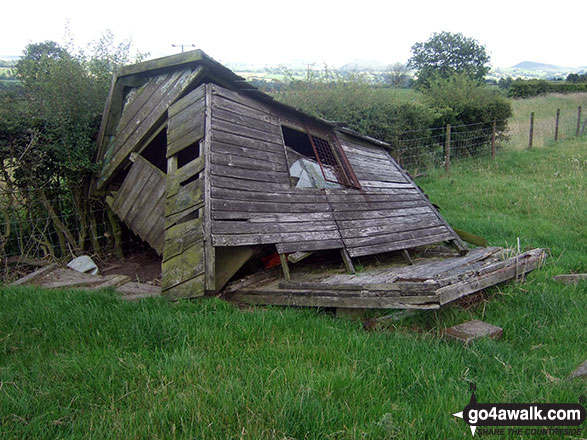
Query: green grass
x=79 y=364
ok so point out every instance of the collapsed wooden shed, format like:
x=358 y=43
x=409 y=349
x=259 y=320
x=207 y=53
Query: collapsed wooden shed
x=205 y=168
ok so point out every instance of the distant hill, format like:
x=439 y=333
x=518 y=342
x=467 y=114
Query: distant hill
x=531 y=65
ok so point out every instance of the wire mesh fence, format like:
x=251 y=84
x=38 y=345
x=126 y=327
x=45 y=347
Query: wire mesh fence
x=438 y=147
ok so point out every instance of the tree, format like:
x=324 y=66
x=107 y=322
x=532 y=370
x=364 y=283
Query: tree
x=446 y=53
x=398 y=75
x=47 y=140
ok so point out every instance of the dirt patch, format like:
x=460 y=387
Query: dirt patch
x=142 y=267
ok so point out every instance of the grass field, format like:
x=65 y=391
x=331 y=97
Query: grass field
x=75 y=364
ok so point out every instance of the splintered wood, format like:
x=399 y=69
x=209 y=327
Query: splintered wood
x=427 y=284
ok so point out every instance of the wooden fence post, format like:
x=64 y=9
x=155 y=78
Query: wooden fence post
x=578 y=120
x=558 y=113
x=493 y=131
x=447 y=149
x=531 y=130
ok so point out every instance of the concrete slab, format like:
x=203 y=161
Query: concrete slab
x=471 y=330
x=580 y=372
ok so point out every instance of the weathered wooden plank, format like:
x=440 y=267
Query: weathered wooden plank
x=354 y=242
x=243 y=141
x=193 y=130
x=35 y=275
x=187 y=101
x=181 y=216
x=514 y=266
x=253 y=114
x=235 y=150
x=236 y=183
x=183 y=267
x=192 y=288
x=292 y=196
x=244 y=227
x=367 y=184
x=180 y=237
x=243 y=120
x=367 y=198
x=285 y=217
x=246 y=174
x=363 y=285
x=381 y=177
x=270 y=238
x=248 y=163
x=149 y=119
x=174 y=180
x=244 y=131
x=376 y=206
x=143 y=203
x=130 y=189
x=456 y=239
x=152 y=229
x=131 y=122
x=306 y=246
x=269 y=207
x=389 y=226
x=380 y=214
x=402 y=244
x=313 y=300
x=130 y=112
x=239 y=98
x=186 y=197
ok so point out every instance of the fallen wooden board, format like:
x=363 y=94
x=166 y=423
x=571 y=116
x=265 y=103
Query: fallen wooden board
x=55 y=277
x=462 y=276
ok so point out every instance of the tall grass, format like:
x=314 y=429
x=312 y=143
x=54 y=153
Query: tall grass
x=544 y=108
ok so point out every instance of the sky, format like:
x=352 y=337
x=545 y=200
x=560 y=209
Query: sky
x=333 y=33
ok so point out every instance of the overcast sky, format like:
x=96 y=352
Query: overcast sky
x=264 y=32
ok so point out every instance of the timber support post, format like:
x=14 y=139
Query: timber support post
x=285 y=267
x=348 y=263
x=493 y=132
x=531 y=136
x=447 y=149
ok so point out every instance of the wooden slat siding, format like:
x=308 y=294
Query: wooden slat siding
x=153 y=111
x=184 y=263
x=128 y=123
x=136 y=123
x=455 y=237
x=271 y=177
x=278 y=237
x=140 y=203
x=376 y=206
x=269 y=207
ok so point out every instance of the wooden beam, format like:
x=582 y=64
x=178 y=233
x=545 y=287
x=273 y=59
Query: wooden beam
x=285 y=267
x=348 y=262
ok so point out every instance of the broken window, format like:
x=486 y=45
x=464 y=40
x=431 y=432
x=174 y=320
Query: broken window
x=318 y=153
